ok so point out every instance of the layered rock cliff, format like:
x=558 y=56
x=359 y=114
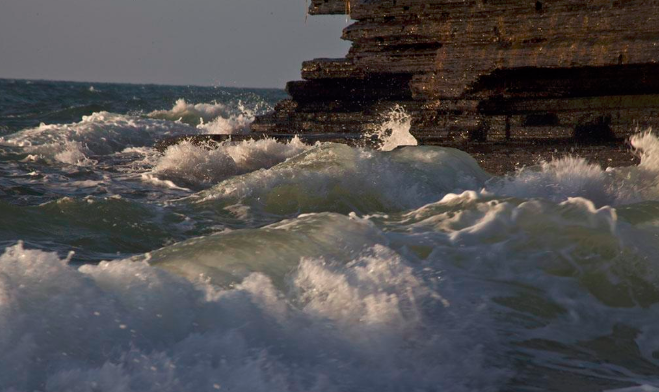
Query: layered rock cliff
x=479 y=73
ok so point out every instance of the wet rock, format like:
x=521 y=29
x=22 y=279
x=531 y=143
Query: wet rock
x=485 y=72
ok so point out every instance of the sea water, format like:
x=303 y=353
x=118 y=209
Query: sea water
x=261 y=266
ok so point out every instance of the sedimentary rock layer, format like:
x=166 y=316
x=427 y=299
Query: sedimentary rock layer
x=484 y=71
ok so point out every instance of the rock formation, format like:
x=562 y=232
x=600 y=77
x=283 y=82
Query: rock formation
x=497 y=78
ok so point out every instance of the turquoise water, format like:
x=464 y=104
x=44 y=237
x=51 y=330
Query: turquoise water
x=260 y=266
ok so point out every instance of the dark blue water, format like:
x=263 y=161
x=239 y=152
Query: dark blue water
x=67 y=141
x=25 y=104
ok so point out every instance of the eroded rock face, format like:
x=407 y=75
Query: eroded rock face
x=485 y=71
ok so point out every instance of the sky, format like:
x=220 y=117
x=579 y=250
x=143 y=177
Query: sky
x=239 y=43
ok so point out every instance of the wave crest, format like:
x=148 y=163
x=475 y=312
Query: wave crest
x=211 y=118
x=190 y=113
x=334 y=177
x=128 y=325
x=191 y=164
x=101 y=133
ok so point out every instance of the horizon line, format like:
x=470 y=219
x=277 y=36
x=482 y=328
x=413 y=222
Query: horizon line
x=139 y=84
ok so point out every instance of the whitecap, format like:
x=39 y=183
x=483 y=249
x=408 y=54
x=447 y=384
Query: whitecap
x=187 y=163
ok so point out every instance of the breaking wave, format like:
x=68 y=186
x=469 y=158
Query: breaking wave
x=264 y=266
x=449 y=297
x=215 y=118
x=190 y=113
x=189 y=164
x=334 y=177
x=98 y=134
x=562 y=178
x=366 y=325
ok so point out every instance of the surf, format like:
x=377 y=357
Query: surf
x=291 y=266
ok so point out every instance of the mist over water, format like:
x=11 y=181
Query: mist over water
x=262 y=266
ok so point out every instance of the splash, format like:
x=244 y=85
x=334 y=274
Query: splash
x=211 y=118
x=647 y=147
x=74 y=153
x=394 y=131
x=560 y=179
x=232 y=124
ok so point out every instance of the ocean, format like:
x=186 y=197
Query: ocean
x=264 y=266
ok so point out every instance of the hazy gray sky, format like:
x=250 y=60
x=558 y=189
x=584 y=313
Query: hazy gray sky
x=251 y=43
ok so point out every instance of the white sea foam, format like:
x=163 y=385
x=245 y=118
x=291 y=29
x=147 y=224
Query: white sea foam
x=234 y=123
x=192 y=164
x=196 y=165
x=450 y=280
x=192 y=113
x=560 y=179
x=647 y=145
x=334 y=177
x=374 y=324
x=577 y=273
x=74 y=153
x=324 y=302
x=210 y=118
x=98 y=134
